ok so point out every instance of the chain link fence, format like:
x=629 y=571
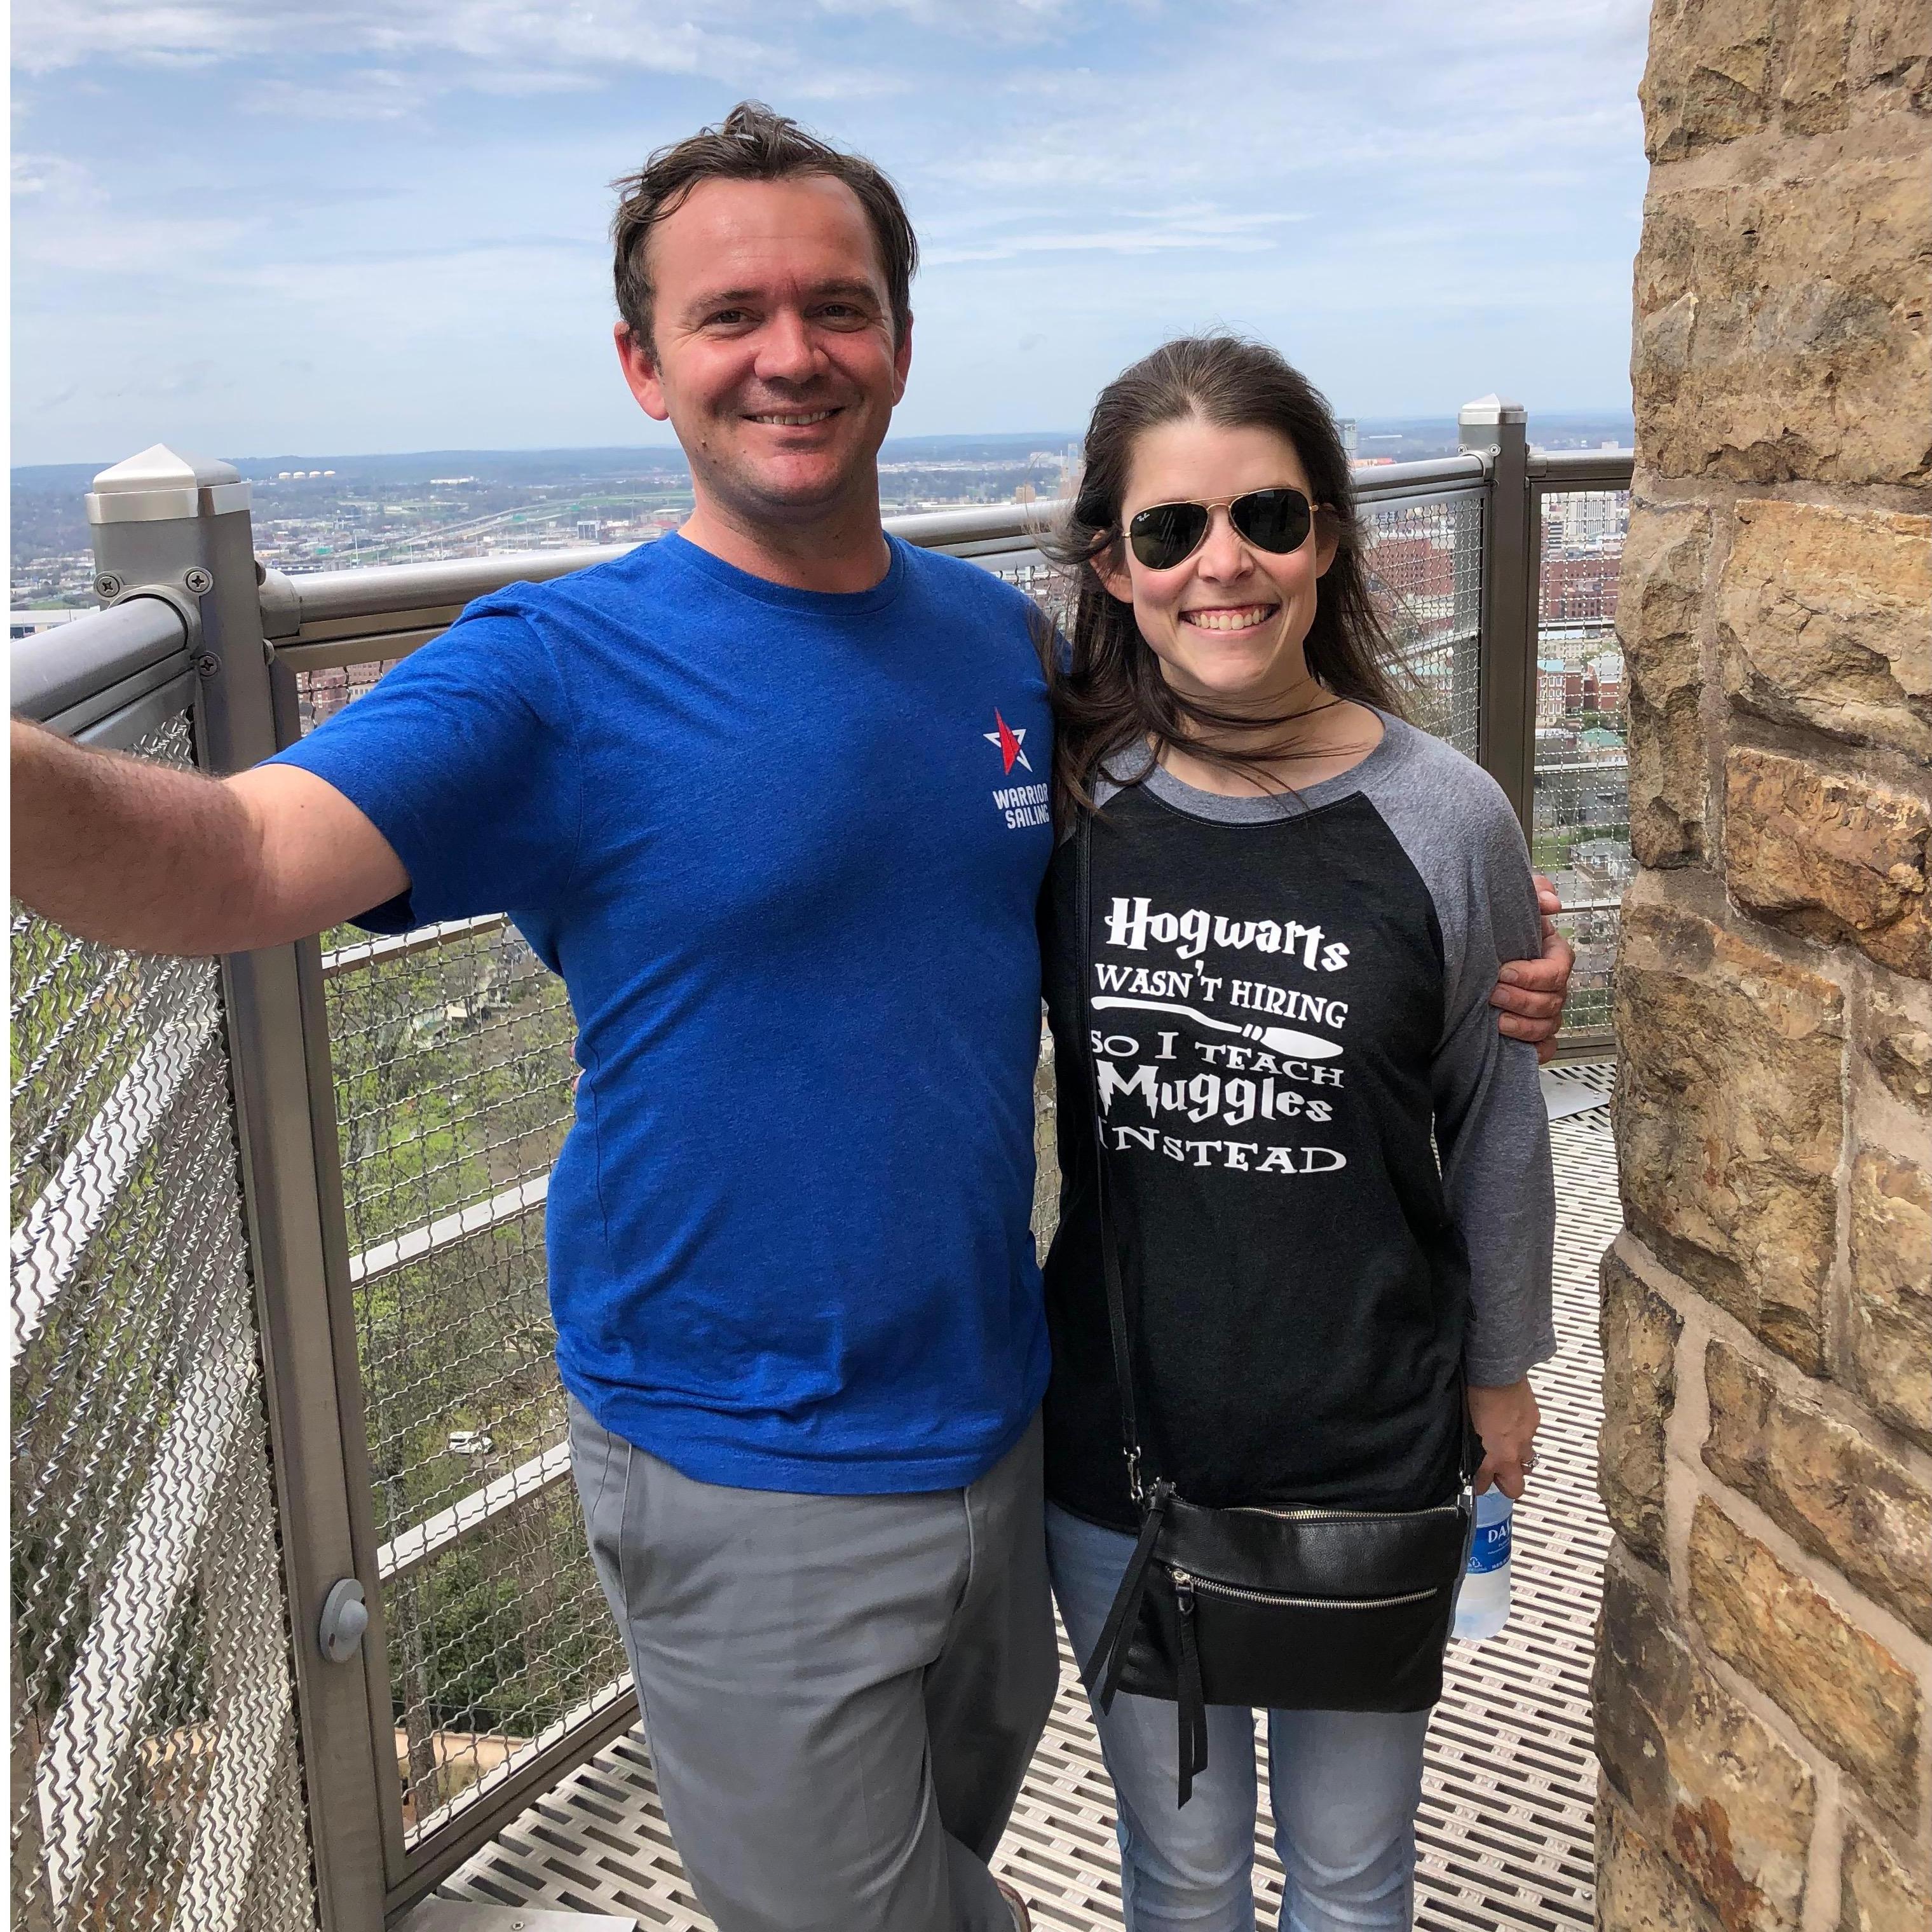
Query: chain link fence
x=1581 y=823
x=156 y=1781
x=1425 y=567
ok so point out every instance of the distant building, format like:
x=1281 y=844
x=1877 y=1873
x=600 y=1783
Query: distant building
x=589 y=529
x=1606 y=862
x=25 y=623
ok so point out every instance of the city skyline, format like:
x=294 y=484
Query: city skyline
x=265 y=226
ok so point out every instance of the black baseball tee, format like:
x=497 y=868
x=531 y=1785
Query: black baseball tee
x=1290 y=1018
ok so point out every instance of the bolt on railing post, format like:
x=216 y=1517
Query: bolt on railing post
x=1506 y=732
x=181 y=528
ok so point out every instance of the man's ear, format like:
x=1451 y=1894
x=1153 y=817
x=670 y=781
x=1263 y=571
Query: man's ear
x=902 y=362
x=639 y=362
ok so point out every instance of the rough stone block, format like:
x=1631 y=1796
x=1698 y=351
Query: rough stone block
x=1898 y=1043
x=1842 y=1688
x=1639 y=1341
x=1823 y=621
x=1892 y=48
x=1815 y=94
x=1701 y=1772
x=1838 y=1494
x=1890 y=1331
x=1710 y=75
x=1639 y=1889
x=1853 y=58
x=1730 y=1119
x=1830 y=856
x=1875 y=1893
x=1657 y=599
x=1781 y=328
x=1848 y=59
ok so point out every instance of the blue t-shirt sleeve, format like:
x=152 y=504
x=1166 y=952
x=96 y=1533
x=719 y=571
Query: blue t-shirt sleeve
x=464 y=757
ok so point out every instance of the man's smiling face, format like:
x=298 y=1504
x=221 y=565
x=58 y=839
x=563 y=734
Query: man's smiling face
x=774 y=355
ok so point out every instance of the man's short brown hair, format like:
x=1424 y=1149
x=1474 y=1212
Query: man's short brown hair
x=752 y=143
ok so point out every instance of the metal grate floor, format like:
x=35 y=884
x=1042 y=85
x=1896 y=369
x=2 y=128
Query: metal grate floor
x=1506 y=1825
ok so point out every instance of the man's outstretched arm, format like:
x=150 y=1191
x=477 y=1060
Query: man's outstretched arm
x=137 y=855
x=1530 y=994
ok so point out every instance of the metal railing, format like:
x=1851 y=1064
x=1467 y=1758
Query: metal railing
x=155 y=1774
x=280 y=1328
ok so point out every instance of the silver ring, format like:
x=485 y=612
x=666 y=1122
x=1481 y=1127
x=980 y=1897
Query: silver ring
x=1529 y=1460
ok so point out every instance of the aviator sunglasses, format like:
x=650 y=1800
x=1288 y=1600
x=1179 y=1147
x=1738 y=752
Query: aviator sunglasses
x=1275 y=521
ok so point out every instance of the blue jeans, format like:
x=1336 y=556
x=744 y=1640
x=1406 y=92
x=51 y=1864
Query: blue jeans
x=1345 y=1785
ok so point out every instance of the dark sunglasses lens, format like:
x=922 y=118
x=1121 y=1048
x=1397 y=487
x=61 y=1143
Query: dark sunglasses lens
x=1273 y=519
x=1163 y=536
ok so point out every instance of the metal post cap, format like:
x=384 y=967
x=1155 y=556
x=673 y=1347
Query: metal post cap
x=159 y=485
x=1491 y=409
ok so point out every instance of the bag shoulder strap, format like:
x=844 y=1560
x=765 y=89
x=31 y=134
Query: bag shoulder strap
x=1110 y=1259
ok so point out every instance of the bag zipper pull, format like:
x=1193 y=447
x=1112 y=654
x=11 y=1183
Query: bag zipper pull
x=1183 y=1592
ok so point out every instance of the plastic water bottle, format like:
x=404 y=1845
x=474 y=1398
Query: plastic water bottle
x=1483 y=1608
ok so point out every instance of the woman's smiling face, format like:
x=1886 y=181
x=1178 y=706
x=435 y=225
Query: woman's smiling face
x=1228 y=622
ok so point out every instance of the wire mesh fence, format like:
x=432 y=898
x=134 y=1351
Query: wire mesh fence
x=156 y=1781
x=452 y=1070
x=1581 y=827
x=1425 y=565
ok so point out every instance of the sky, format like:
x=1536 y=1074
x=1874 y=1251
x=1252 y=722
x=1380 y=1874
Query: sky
x=256 y=226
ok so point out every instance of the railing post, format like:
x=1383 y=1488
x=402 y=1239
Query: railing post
x=181 y=528
x=1506 y=733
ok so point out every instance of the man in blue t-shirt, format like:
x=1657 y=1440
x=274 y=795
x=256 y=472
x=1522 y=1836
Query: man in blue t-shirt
x=751 y=789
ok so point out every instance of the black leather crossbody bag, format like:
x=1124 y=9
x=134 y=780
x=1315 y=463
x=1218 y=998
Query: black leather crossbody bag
x=1274 y=1607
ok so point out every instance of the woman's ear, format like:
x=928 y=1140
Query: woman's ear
x=1327 y=538
x=1111 y=568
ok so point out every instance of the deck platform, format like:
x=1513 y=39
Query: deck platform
x=1506 y=1824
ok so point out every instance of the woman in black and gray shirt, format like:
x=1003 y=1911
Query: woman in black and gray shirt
x=1300 y=902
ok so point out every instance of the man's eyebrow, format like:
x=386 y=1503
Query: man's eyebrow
x=721 y=298
x=818 y=291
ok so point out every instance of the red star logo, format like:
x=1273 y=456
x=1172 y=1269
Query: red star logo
x=1010 y=742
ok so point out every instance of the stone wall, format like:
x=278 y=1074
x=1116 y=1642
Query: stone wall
x=1764 y=1691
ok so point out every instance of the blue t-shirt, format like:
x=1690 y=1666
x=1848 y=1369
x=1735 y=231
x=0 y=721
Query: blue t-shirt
x=784 y=848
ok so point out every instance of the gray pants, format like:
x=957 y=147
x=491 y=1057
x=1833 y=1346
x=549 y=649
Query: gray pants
x=841 y=1693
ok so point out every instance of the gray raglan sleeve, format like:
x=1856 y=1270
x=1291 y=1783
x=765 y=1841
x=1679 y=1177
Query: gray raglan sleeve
x=1492 y=1128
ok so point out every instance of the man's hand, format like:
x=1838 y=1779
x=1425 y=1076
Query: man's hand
x=1531 y=992
x=1506 y=1419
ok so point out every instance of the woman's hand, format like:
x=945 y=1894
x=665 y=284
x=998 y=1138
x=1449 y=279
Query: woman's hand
x=1506 y=1419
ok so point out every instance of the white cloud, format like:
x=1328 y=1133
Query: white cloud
x=1416 y=200
x=370 y=94
x=677 y=37
x=1007 y=20
x=66 y=223
x=1203 y=226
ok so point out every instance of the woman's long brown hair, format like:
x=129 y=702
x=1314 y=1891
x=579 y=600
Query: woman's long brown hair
x=1111 y=699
